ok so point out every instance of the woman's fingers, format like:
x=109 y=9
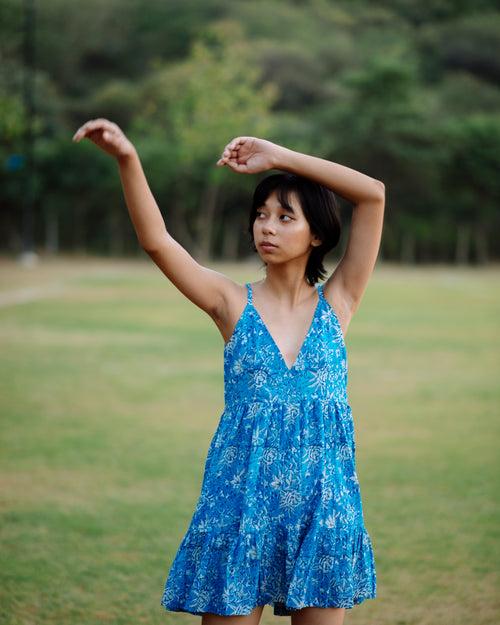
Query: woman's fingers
x=237 y=141
x=106 y=135
x=231 y=149
x=84 y=129
x=234 y=144
x=94 y=124
x=231 y=152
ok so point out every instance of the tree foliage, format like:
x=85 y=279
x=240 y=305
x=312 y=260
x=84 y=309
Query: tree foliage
x=404 y=91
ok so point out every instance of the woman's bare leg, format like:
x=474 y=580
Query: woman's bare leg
x=244 y=619
x=318 y=616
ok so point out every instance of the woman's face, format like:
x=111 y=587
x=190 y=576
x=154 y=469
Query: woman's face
x=288 y=230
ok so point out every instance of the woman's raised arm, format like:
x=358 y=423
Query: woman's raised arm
x=345 y=287
x=205 y=287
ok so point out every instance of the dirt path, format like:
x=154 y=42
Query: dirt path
x=29 y=294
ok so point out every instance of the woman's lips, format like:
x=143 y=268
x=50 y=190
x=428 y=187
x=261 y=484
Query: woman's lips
x=268 y=246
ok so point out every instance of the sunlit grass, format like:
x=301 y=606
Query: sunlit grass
x=112 y=388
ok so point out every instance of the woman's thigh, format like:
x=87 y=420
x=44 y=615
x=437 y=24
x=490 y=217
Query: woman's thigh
x=245 y=619
x=318 y=616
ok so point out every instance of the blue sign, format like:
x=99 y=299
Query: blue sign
x=15 y=162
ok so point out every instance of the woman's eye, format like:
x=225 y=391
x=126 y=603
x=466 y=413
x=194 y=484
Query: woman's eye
x=259 y=213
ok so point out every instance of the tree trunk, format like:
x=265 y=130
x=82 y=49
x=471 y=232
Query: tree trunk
x=115 y=241
x=408 y=246
x=426 y=251
x=206 y=220
x=79 y=225
x=231 y=237
x=481 y=244
x=463 y=244
x=10 y=230
x=51 y=228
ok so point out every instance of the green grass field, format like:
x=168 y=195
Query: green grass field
x=111 y=387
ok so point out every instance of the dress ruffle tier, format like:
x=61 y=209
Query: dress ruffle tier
x=278 y=520
x=231 y=573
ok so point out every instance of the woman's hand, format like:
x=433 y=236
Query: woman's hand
x=250 y=155
x=106 y=135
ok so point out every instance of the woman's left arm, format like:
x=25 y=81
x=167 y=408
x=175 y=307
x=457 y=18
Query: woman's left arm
x=349 y=183
x=345 y=287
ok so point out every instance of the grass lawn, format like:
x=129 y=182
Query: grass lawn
x=111 y=387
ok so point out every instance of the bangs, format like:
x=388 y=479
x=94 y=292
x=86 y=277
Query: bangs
x=318 y=205
x=284 y=193
x=283 y=185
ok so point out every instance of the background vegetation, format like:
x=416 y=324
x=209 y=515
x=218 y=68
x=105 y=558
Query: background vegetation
x=405 y=91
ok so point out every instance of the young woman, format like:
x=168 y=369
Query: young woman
x=279 y=519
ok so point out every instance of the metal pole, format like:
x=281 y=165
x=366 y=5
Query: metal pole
x=28 y=255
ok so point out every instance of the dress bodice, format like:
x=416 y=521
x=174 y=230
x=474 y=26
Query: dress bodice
x=255 y=369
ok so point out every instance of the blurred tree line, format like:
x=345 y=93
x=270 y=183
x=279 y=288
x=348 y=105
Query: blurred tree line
x=404 y=91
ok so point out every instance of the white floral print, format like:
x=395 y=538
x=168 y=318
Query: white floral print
x=279 y=519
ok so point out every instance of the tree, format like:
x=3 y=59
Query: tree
x=198 y=106
x=472 y=181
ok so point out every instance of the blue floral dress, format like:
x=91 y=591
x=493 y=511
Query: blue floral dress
x=279 y=519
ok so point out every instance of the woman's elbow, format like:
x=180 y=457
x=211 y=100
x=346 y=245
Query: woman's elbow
x=380 y=190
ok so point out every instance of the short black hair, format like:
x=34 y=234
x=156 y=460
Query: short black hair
x=319 y=206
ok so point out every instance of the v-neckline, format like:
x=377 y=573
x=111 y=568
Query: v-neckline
x=306 y=338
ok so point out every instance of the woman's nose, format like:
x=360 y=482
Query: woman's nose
x=268 y=227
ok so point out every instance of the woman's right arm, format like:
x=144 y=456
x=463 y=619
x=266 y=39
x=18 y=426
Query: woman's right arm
x=208 y=289
x=142 y=207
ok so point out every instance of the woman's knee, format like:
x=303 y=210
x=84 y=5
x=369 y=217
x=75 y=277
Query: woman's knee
x=318 y=616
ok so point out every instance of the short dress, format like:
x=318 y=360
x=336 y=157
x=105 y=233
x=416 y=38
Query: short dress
x=279 y=519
